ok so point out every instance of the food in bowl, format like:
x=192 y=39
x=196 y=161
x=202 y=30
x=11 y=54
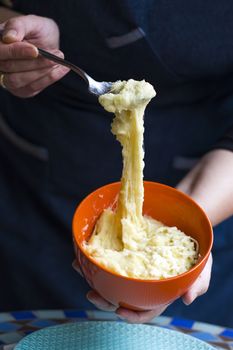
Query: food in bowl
x=124 y=241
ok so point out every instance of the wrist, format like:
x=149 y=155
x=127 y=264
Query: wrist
x=210 y=184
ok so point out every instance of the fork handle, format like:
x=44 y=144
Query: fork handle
x=63 y=62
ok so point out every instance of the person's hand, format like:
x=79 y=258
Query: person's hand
x=201 y=285
x=125 y=314
x=199 y=288
x=26 y=74
x=210 y=184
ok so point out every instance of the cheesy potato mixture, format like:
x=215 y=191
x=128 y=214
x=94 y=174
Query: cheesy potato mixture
x=124 y=241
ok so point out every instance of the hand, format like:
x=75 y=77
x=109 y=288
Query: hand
x=125 y=314
x=26 y=74
x=201 y=285
x=210 y=184
x=199 y=288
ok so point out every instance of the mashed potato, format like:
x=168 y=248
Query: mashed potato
x=124 y=240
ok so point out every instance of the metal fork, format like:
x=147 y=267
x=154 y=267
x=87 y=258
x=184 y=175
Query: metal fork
x=95 y=87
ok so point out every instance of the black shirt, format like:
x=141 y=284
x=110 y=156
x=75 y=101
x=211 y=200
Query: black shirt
x=184 y=48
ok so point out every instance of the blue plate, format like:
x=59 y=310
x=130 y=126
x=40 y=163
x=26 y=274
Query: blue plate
x=110 y=336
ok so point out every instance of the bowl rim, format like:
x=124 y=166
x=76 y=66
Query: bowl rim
x=202 y=260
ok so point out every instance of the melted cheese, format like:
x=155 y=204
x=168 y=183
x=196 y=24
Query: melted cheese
x=124 y=240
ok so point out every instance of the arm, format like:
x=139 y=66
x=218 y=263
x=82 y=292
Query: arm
x=210 y=183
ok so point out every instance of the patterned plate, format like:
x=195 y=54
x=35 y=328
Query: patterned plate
x=111 y=336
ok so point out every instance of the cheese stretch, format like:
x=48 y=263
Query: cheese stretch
x=125 y=241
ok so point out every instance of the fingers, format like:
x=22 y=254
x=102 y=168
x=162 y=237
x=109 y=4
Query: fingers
x=25 y=76
x=140 y=316
x=17 y=51
x=201 y=285
x=54 y=74
x=76 y=267
x=99 y=302
x=16 y=29
x=19 y=28
x=24 y=65
x=15 y=81
x=41 y=31
x=128 y=315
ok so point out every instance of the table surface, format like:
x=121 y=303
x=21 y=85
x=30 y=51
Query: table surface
x=16 y=325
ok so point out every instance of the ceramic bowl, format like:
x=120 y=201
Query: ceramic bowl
x=162 y=203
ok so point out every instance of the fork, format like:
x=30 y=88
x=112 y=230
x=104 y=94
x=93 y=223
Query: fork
x=95 y=87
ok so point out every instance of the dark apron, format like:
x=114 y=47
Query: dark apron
x=57 y=147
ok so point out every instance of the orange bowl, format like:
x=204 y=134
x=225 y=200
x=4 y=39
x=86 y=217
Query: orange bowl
x=162 y=203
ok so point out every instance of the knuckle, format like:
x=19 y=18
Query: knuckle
x=35 y=20
x=13 y=52
x=32 y=17
x=54 y=74
x=12 y=22
x=59 y=53
x=57 y=73
x=52 y=23
x=204 y=290
x=135 y=319
x=33 y=87
x=28 y=93
x=31 y=94
x=143 y=319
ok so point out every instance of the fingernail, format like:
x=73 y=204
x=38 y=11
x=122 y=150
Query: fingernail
x=59 y=53
x=10 y=33
x=121 y=317
x=191 y=299
x=30 y=52
x=92 y=302
x=74 y=265
x=89 y=298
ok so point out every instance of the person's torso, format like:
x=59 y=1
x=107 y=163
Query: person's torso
x=183 y=49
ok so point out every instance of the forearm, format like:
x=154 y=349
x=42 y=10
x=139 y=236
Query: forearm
x=6 y=14
x=210 y=183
